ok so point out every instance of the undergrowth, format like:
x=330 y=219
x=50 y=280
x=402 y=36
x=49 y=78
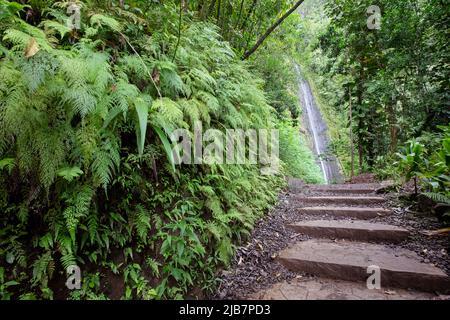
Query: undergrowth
x=86 y=175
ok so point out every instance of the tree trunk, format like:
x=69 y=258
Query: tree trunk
x=240 y=14
x=392 y=126
x=249 y=13
x=270 y=30
x=352 y=147
x=211 y=8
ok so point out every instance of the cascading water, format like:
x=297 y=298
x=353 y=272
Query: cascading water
x=318 y=131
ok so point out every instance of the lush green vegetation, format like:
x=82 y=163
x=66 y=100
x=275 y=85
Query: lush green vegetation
x=86 y=171
x=384 y=91
x=87 y=176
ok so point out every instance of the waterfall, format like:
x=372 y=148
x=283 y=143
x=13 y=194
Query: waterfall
x=318 y=131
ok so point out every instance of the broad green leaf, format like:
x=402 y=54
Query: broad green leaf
x=70 y=173
x=142 y=114
x=167 y=146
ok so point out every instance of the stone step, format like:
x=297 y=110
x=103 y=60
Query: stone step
x=350 y=261
x=296 y=185
x=332 y=289
x=367 y=186
x=345 y=188
x=367 y=191
x=352 y=230
x=346 y=212
x=347 y=200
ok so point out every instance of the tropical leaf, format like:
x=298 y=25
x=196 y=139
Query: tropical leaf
x=167 y=146
x=70 y=173
x=142 y=108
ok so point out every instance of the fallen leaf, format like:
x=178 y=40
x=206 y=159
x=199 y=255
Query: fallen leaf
x=32 y=48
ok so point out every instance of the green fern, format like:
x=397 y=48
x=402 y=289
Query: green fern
x=102 y=20
x=106 y=160
x=141 y=222
x=43 y=269
x=70 y=173
x=438 y=197
x=78 y=208
x=52 y=26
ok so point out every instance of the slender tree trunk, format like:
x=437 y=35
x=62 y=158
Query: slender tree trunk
x=392 y=119
x=360 y=154
x=240 y=14
x=211 y=8
x=352 y=147
x=249 y=13
x=359 y=98
x=218 y=12
x=180 y=21
x=271 y=29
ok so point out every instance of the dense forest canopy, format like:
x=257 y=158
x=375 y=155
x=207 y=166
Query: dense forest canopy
x=90 y=92
x=396 y=78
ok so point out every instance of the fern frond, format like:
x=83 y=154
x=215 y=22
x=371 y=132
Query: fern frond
x=210 y=100
x=141 y=222
x=79 y=207
x=437 y=197
x=190 y=110
x=203 y=80
x=43 y=269
x=51 y=27
x=106 y=160
x=167 y=114
x=102 y=20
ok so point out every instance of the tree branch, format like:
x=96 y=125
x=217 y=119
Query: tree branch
x=271 y=29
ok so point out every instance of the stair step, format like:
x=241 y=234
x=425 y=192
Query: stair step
x=367 y=186
x=346 y=212
x=345 y=188
x=348 y=200
x=332 y=289
x=352 y=230
x=350 y=261
x=343 y=191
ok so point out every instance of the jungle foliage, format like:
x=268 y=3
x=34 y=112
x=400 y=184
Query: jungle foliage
x=86 y=174
x=383 y=90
